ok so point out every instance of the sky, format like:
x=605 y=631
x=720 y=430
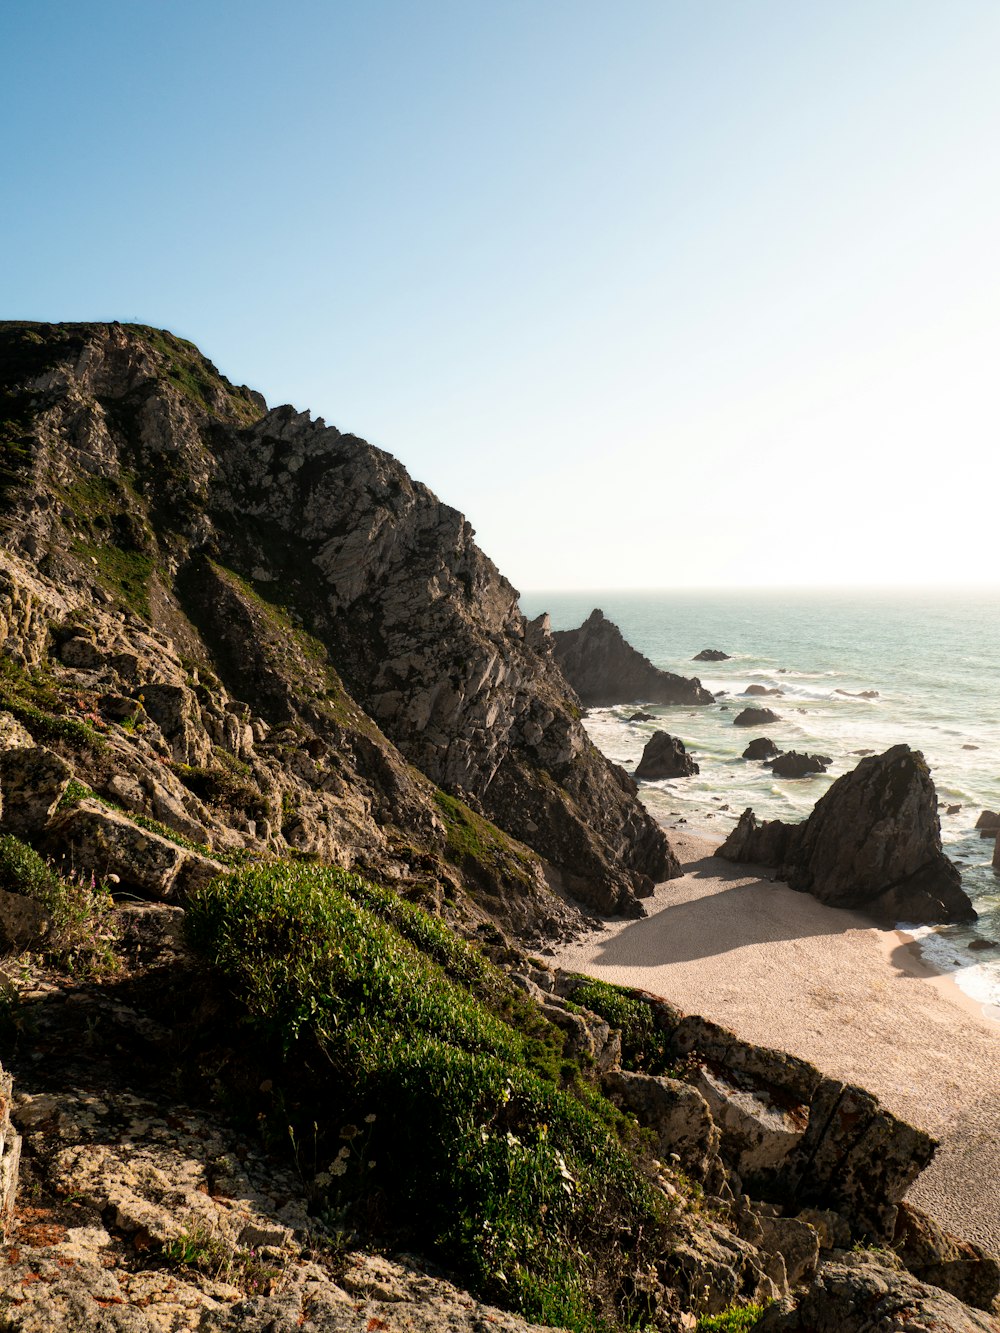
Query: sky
x=665 y=293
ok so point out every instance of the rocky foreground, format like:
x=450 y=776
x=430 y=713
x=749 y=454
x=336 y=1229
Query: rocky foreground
x=289 y=786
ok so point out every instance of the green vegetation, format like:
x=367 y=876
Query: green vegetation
x=81 y=936
x=643 y=1044
x=112 y=535
x=30 y=696
x=196 y=377
x=483 y=1147
x=737 y=1319
x=477 y=845
x=200 y=1249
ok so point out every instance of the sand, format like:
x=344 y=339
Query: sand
x=781 y=969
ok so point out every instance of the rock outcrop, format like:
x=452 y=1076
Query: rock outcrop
x=764 y=690
x=791 y=764
x=221 y=577
x=872 y=842
x=761 y=748
x=664 y=756
x=755 y=717
x=604 y=669
x=711 y=655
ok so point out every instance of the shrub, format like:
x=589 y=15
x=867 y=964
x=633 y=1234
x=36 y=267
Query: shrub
x=737 y=1319
x=23 y=871
x=516 y=1180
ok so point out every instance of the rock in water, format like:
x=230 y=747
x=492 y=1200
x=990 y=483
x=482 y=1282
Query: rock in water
x=604 y=669
x=795 y=765
x=763 y=690
x=665 y=757
x=755 y=717
x=711 y=655
x=761 y=748
x=872 y=842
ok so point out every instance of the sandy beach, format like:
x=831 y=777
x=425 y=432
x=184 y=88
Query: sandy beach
x=783 y=970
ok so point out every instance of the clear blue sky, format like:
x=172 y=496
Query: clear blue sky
x=671 y=293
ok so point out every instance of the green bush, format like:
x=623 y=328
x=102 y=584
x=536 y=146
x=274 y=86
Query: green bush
x=737 y=1319
x=516 y=1180
x=81 y=936
x=643 y=1046
x=23 y=871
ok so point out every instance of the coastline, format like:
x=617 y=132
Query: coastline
x=781 y=969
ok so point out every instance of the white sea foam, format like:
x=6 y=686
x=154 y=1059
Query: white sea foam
x=978 y=977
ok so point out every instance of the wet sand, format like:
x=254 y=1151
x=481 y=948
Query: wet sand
x=781 y=969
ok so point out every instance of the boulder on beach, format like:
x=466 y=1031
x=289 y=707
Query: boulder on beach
x=755 y=717
x=711 y=655
x=795 y=765
x=604 y=669
x=872 y=842
x=761 y=748
x=665 y=757
x=764 y=689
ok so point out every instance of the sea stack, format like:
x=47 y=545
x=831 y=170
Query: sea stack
x=872 y=842
x=604 y=669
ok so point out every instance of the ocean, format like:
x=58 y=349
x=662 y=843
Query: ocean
x=932 y=657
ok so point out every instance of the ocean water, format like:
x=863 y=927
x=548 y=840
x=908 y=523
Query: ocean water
x=933 y=658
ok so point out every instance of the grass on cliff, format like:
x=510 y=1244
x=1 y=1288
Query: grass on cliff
x=481 y=1143
x=81 y=935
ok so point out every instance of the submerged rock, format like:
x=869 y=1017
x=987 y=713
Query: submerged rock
x=665 y=757
x=872 y=842
x=711 y=655
x=604 y=669
x=761 y=690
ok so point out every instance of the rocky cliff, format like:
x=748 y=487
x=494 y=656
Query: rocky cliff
x=604 y=669
x=252 y=579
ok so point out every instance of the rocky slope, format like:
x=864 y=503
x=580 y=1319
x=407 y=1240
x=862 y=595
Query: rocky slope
x=604 y=669
x=254 y=585
x=240 y=649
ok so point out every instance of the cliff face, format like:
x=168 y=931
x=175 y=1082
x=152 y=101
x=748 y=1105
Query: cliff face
x=604 y=669
x=304 y=581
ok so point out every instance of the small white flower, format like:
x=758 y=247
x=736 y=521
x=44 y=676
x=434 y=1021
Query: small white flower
x=370 y=1119
x=322 y=1180
x=338 y=1168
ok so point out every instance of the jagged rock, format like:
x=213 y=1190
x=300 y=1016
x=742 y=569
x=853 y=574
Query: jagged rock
x=755 y=717
x=32 y=781
x=604 y=669
x=872 y=842
x=761 y=748
x=664 y=756
x=791 y=764
x=711 y=655
x=713 y=1269
x=758 y=1133
x=988 y=824
x=860 y=1295
x=679 y=1118
x=764 y=690
x=642 y=717
x=795 y=1239
x=588 y=1036
x=934 y=1256
x=860 y=694
x=107 y=843
x=175 y=711
x=24 y=923
x=856 y=1158
x=766 y=844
